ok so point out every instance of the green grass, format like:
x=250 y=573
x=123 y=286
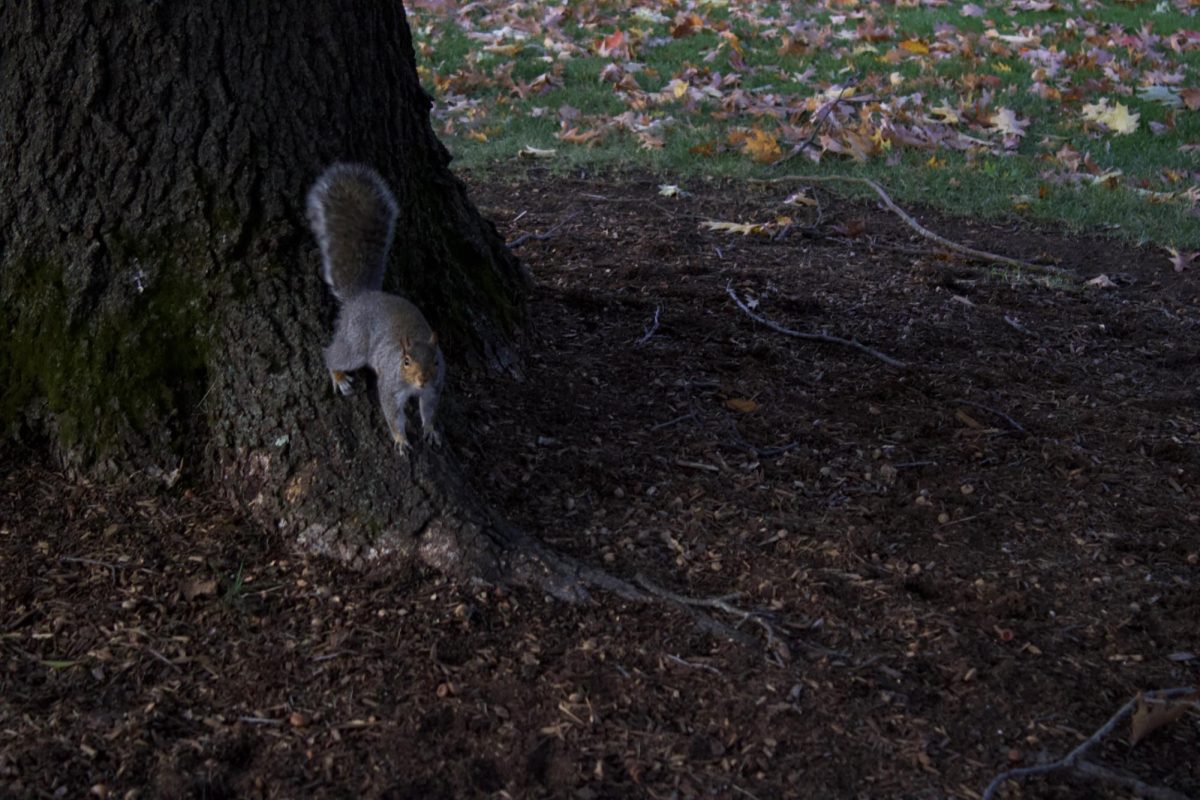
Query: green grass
x=1029 y=181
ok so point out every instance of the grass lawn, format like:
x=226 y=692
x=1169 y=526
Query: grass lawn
x=1070 y=112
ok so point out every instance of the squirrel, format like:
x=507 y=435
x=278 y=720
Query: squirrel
x=353 y=214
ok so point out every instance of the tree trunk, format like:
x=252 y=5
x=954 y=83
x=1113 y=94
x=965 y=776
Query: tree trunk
x=161 y=299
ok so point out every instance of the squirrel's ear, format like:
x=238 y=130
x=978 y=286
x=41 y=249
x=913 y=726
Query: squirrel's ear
x=406 y=343
x=433 y=338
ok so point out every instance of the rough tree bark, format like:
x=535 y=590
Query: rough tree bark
x=161 y=302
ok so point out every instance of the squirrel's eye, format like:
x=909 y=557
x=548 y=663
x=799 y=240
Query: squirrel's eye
x=407 y=361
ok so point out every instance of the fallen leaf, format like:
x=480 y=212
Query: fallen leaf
x=1149 y=716
x=610 y=44
x=915 y=46
x=197 y=587
x=743 y=228
x=686 y=26
x=1181 y=261
x=761 y=146
x=1101 y=282
x=1191 y=98
x=1006 y=121
x=742 y=405
x=504 y=49
x=1160 y=94
x=799 y=198
x=529 y=151
x=1116 y=118
x=945 y=114
x=671 y=190
x=968 y=420
x=576 y=136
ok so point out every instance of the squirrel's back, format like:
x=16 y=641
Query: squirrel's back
x=353 y=215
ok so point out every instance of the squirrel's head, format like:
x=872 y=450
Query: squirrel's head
x=418 y=365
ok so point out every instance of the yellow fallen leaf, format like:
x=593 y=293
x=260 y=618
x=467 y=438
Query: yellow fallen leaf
x=504 y=49
x=800 y=198
x=945 y=114
x=1116 y=118
x=676 y=87
x=761 y=146
x=743 y=228
x=915 y=46
x=576 y=136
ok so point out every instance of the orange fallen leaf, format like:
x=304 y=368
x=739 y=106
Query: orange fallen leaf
x=611 y=43
x=742 y=405
x=686 y=26
x=763 y=147
x=915 y=46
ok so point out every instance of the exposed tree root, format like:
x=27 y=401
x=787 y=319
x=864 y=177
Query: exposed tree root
x=523 y=561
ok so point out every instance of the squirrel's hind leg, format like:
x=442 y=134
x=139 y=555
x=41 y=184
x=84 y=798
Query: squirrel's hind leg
x=341 y=359
x=342 y=383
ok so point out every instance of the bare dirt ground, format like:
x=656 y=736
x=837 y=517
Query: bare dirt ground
x=973 y=562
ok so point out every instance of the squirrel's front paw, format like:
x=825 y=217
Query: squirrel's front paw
x=433 y=437
x=402 y=445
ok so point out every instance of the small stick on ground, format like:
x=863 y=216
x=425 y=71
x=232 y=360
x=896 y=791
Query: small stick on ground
x=1012 y=423
x=650 y=330
x=981 y=255
x=692 y=665
x=520 y=240
x=1016 y=325
x=1073 y=760
x=671 y=422
x=813 y=337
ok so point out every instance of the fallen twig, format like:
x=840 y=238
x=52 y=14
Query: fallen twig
x=691 y=665
x=1016 y=426
x=1016 y=325
x=815 y=337
x=1072 y=760
x=650 y=330
x=671 y=422
x=982 y=255
x=520 y=240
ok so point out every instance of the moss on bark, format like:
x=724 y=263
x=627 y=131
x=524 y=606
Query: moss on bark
x=118 y=373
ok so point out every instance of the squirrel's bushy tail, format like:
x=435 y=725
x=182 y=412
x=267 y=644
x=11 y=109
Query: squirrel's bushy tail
x=353 y=214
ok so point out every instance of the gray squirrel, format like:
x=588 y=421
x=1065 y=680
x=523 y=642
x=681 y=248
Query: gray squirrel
x=353 y=215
